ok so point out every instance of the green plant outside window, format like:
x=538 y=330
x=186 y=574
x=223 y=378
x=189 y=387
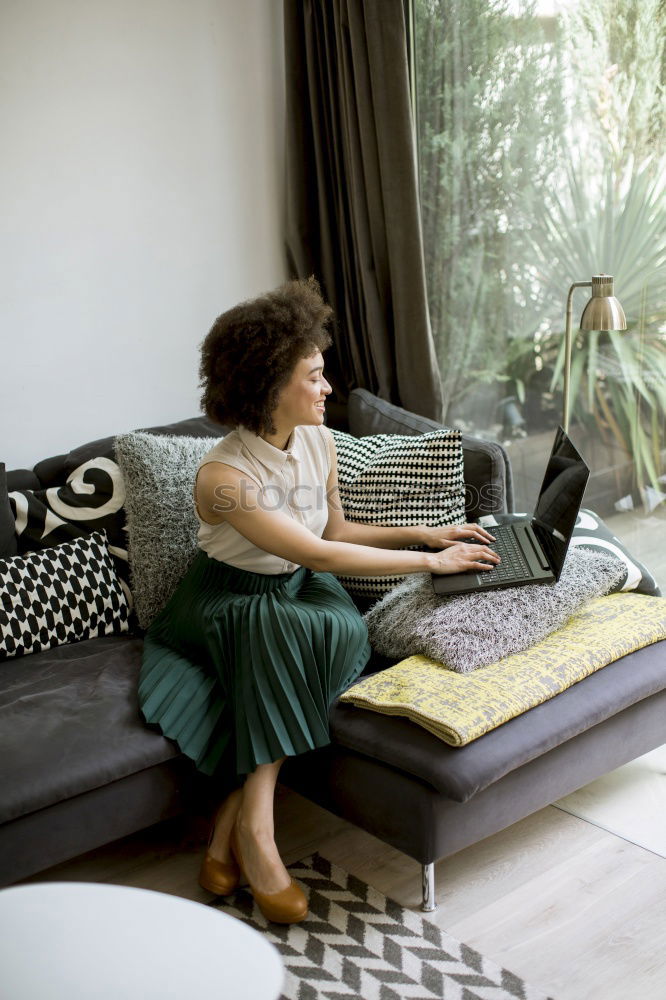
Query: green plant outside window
x=541 y=136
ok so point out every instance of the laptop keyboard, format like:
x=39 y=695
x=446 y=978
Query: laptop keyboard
x=513 y=566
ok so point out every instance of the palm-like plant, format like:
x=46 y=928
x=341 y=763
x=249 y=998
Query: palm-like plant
x=618 y=228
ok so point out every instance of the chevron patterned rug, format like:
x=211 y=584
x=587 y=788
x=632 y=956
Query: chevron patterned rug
x=357 y=943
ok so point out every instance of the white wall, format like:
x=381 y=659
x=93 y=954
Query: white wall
x=141 y=194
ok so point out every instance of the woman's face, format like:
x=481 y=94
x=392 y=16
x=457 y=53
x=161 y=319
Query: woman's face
x=302 y=399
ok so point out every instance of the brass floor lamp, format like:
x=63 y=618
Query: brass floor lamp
x=602 y=312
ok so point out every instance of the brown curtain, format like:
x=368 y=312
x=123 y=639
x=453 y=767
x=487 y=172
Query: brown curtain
x=353 y=215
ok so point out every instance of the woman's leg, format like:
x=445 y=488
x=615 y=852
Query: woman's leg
x=224 y=822
x=251 y=809
x=255 y=830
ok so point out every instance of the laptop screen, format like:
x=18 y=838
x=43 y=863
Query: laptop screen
x=559 y=500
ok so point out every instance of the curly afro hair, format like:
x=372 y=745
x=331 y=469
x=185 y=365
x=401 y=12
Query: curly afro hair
x=250 y=352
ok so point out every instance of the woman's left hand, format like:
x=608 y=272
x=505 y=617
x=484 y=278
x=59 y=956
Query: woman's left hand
x=441 y=538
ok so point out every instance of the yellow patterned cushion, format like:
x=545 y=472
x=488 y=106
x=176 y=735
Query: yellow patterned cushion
x=458 y=708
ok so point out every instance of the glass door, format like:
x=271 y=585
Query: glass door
x=541 y=140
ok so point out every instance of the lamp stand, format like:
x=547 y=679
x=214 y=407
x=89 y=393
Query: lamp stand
x=567 y=352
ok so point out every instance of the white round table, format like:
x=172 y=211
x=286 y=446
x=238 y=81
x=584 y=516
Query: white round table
x=76 y=940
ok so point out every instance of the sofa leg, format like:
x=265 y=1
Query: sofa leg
x=428 y=903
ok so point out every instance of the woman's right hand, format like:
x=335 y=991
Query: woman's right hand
x=463 y=556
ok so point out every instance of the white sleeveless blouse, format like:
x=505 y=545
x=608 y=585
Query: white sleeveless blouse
x=292 y=481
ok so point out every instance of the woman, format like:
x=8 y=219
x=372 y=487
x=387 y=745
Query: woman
x=260 y=638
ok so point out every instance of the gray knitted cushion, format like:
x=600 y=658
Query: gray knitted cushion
x=477 y=629
x=161 y=525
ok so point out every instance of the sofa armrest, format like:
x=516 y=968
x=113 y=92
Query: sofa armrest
x=487 y=467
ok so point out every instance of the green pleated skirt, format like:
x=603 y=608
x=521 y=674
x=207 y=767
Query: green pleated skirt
x=241 y=668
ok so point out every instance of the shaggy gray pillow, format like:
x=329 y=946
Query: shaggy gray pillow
x=162 y=527
x=474 y=630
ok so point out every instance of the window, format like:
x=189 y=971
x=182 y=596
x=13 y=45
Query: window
x=542 y=162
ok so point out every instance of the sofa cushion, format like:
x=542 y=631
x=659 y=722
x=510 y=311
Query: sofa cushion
x=590 y=532
x=79 y=493
x=460 y=708
x=398 y=480
x=462 y=772
x=159 y=473
x=55 y=470
x=69 y=723
x=190 y=427
x=59 y=595
x=487 y=470
x=368 y=414
x=7 y=529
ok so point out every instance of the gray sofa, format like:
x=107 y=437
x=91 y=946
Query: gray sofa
x=78 y=768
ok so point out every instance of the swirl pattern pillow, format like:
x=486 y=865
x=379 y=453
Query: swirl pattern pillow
x=590 y=532
x=91 y=498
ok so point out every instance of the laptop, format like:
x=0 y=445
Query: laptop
x=532 y=550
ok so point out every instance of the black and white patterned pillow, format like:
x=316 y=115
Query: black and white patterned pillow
x=591 y=532
x=399 y=481
x=60 y=595
x=91 y=499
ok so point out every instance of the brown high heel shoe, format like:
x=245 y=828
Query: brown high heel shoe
x=289 y=906
x=220 y=877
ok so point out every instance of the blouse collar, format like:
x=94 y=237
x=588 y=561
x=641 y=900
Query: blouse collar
x=270 y=456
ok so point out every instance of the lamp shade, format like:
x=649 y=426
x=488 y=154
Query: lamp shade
x=603 y=311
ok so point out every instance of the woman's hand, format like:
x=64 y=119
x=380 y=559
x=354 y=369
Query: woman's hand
x=461 y=556
x=441 y=538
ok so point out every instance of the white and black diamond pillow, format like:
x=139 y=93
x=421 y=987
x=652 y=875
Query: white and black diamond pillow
x=60 y=595
x=399 y=481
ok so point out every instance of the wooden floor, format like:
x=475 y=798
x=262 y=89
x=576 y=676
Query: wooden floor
x=567 y=906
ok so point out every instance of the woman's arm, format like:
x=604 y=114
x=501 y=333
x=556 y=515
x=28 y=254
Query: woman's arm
x=338 y=529
x=225 y=494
